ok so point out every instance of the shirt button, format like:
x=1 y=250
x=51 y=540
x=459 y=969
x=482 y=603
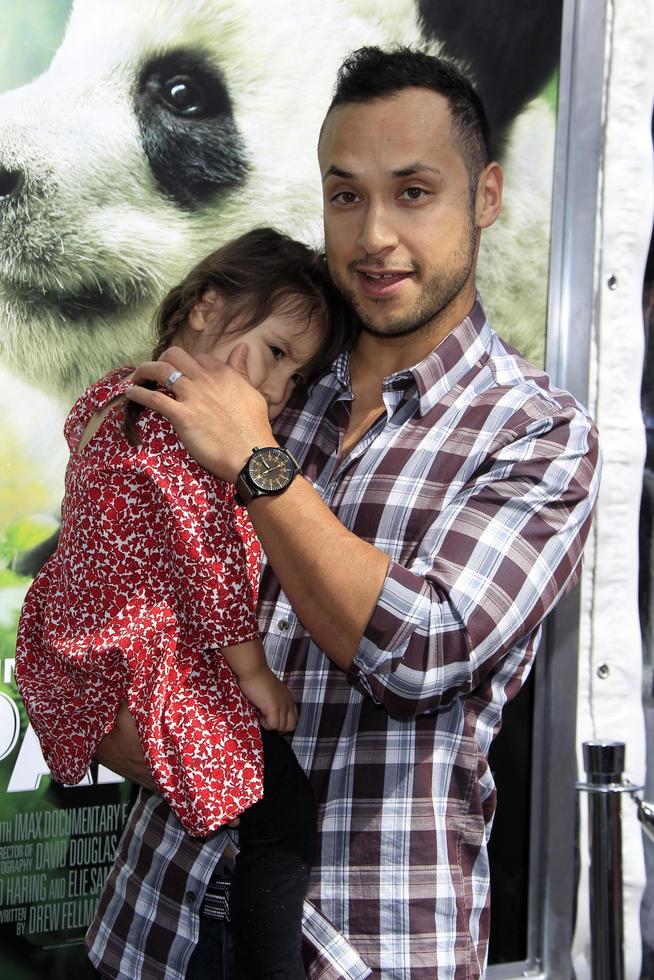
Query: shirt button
x=189 y=898
x=283 y=625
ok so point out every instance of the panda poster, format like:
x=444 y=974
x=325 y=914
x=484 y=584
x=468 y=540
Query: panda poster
x=135 y=138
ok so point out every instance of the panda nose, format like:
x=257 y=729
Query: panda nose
x=11 y=182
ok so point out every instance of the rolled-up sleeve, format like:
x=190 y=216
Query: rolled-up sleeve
x=500 y=552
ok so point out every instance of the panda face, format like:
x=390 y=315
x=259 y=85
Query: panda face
x=188 y=131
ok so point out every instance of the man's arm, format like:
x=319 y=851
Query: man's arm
x=489 y=566
x=121 y=751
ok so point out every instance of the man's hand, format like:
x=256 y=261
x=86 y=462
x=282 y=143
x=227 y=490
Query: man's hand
x=216 y=412
x=121 y=751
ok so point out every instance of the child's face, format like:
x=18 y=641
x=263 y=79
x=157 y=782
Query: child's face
x=277 y=351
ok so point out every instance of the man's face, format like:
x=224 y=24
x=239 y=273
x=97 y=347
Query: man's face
x=400 y=228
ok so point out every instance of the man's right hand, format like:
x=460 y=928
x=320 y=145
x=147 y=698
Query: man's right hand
x=202 y=410
x=121 y=750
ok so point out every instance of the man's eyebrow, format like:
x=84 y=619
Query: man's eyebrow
x=409 y=171
x=415 y=168
x=335 y=171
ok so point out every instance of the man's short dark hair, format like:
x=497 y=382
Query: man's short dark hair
x=371 y=73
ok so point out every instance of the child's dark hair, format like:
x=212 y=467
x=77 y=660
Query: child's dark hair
x=254 y=274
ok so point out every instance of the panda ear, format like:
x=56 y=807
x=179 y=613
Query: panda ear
x=204 y=312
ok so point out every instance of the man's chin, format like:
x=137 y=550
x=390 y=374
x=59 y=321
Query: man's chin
x=377 y=319
x=388 y=318
x=381 y=317
x=382 y=330
x=390 y=328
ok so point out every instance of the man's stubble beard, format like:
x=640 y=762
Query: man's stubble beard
x=438 y=293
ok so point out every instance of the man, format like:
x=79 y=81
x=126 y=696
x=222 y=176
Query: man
x=447 y=490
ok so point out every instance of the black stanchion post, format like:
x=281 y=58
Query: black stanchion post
x=604 y=764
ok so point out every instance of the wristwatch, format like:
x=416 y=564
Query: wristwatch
x=268 y=471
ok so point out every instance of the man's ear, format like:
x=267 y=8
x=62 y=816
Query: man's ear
x=488 y=197
x=204 y=312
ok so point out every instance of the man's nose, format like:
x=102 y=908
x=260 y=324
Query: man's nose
x=378 y=231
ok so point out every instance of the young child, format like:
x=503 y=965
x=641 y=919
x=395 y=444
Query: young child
x=150 y=598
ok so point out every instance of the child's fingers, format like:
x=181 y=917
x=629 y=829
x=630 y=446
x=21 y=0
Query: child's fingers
x=270 y=721
x=282 y=718
x=288 y=721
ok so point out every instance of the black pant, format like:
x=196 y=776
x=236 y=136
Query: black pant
x=277 y=838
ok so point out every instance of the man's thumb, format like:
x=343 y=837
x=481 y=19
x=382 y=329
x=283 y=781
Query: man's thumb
x=238 y=360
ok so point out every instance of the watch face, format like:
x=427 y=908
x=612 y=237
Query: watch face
x=270 y=470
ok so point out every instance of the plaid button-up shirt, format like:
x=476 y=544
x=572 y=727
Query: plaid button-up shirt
x=479 y=482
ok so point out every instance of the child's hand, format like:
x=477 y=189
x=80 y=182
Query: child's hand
x=260 y=686
x=272 y=699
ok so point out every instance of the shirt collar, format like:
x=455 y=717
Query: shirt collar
x=341 y=372
x=466 y=344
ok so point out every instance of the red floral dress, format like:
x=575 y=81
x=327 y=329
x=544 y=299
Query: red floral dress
x=156 y=570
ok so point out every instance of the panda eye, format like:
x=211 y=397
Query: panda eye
x=188 y=131
x=184 y=95
x=184 y=86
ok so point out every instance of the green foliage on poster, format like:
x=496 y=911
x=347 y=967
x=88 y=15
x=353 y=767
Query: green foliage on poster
x=30 y=34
